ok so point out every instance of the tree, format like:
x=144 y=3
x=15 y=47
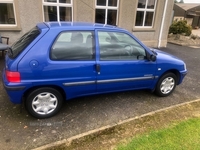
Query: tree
x=181 y=1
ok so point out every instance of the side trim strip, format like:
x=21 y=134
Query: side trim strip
x=79 y=83
x=107 y=81
x=124 y=79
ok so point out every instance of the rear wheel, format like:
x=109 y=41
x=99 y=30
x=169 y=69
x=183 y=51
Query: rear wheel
x=166 y=84
x=44 y=102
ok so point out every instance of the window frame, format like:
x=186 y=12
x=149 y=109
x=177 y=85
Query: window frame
x=106 y=8
x=19 y=46
x=73 y=60
x=15 y=26
x=145 y=10
x=57 y=4
x=126 y=33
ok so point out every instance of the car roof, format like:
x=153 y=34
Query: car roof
x=77 y=25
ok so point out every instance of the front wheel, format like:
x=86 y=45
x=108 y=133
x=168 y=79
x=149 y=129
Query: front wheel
x=44 y=102
x=166 y=85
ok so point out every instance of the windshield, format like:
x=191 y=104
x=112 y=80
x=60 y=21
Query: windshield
x=23 y=42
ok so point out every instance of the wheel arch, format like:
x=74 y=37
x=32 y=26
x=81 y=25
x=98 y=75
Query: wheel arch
x=174 y=71
x=170 y=86
x=58 y=88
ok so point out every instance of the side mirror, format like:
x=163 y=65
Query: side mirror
x=153 y=58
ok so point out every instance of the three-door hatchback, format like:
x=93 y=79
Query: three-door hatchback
x=57 y=61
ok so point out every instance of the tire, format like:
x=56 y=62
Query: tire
x=44 y=102
x=166 y=84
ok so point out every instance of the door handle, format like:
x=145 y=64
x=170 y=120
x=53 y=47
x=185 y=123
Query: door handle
x=98 y=68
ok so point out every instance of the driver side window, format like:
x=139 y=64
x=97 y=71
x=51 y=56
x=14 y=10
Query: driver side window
x=119 y=46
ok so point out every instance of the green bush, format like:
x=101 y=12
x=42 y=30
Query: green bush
x=180 y=27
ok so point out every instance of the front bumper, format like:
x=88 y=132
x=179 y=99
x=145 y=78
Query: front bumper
x=182 y=75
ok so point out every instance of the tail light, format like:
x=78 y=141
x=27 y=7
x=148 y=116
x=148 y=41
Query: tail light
x=13 y=76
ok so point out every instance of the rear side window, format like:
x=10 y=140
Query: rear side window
x=73 y=45
x=23 y=42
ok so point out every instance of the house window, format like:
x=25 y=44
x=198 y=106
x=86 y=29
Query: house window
x=145 y=13
x=106 y=11
x=7 y=13
x=57 y=10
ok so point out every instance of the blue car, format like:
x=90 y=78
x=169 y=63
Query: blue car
x=57 y=61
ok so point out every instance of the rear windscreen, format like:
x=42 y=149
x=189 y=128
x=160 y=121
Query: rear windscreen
x=23 y=42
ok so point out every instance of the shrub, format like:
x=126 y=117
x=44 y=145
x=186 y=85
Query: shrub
x=180 y=27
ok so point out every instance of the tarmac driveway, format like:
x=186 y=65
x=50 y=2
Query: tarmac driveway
x=18 y=130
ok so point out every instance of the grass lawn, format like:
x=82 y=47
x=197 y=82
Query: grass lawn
x=180 y=136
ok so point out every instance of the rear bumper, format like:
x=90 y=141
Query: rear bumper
x=15 y=91
x=14 y=88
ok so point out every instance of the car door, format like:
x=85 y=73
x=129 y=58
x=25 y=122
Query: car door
x=121 y=63
x=72 y=59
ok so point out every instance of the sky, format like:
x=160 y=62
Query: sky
x=191 y=1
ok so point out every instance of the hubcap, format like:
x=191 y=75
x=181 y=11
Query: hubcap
x=44 y=103
x=167 y=85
